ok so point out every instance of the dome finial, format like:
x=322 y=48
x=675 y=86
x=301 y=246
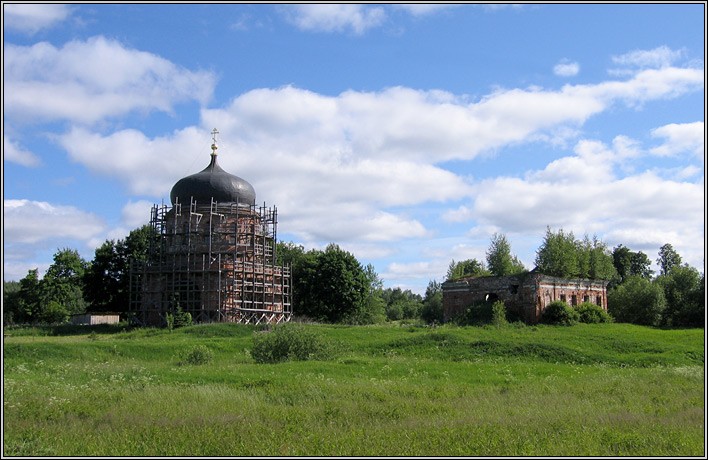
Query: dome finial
x=214 y=132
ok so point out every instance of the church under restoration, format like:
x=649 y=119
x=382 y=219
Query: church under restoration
x=213 y=255
x=526 y=295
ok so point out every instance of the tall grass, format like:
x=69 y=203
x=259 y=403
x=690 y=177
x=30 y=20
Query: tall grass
x=587 y=390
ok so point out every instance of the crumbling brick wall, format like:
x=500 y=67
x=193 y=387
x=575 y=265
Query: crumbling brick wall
x=527 y=295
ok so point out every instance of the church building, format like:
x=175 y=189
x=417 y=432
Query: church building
x=213 y=255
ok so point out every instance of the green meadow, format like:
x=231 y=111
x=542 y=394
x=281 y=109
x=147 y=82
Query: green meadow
x=385 y=390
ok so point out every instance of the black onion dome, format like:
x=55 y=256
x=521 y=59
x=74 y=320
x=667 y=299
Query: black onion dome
x=213 y=182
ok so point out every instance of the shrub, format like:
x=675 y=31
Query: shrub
x=196 y=355
x=499 y=313
x=288 y=341
x=432 y=312
x=477 y=314
x=637 y=301
x=591 y=313
x=559 y=313
x=394 y=311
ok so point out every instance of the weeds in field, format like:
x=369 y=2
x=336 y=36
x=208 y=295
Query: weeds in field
x=392 y=391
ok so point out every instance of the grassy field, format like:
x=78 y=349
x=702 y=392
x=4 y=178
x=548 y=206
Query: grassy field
x=390 y=390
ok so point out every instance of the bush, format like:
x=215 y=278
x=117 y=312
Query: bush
x=197 y=355
x=432 y=312
x=394 y=311
x=637 y=301
x=591 y=313
x=559 y=313
x=55 y=313
x=372 y=311
x=477 y=314
x=288 y=341
x=499 y=313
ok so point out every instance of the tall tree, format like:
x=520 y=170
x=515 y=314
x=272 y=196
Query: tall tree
x=558 y=254
x=668 y=259
x=600 y=263
x=30 y=297
x=332 y=285
x=341 y=285
x=104 y=279
x=637 y=301
x=432 y=303
x=684 y=292
x=373 y=307
x=63 y=282
x=499 y=258
x=629 y=263
x=641 y=265
x=107 y=279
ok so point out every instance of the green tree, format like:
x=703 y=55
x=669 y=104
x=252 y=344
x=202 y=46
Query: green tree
x=668 y=259
x=469 y=267
x=54 y=313
x=10 y=302
x=63 y=282
x=562 y=255
x=600 y=264
x=641 y=265
x=373 y=309
x=499 y=258
x=303 y=266
x=30 y=297
x=104 y=280
x=558 y=255
x=402 y=304
x=432 y=311
x=333 y=285
x=622 y=260
x=629 y=263
x=637 y=301
x=288 y=253
x=107 y=279
x=684 y=292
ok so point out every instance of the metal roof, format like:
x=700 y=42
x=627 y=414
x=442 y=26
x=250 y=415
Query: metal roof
x=213 y=182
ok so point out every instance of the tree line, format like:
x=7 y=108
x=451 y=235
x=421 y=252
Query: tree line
x=331 y=285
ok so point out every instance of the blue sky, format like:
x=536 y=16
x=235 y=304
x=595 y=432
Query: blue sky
x=407 y=134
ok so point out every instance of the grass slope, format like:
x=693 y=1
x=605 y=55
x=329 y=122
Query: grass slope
x=393 y=390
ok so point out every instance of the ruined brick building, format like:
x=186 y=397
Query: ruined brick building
x=525 y=295
x=213 y=255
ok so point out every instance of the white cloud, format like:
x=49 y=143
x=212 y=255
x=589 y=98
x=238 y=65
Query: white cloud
x=87 y=81
x=335 y=17
x=424 y=9
x=16 y=154
x=582 y=194
x=26 y=221
x=146 y=166
x=34 y=230
x=461 y=214
x=16 y=269
x=345 y=168
x=660 y=57
x=136 y=213
x=31 y=18
x=566 y=68
x=414 y=270
x=680 y=138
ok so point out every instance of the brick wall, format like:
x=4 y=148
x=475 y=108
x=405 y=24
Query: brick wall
x=527 y=294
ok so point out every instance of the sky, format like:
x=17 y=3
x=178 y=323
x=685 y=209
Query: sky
x=408 y=134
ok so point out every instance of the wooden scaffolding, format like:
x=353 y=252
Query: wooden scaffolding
x=215 y=261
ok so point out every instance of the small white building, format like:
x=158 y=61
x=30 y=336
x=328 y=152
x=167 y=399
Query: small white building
x=89 y=319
